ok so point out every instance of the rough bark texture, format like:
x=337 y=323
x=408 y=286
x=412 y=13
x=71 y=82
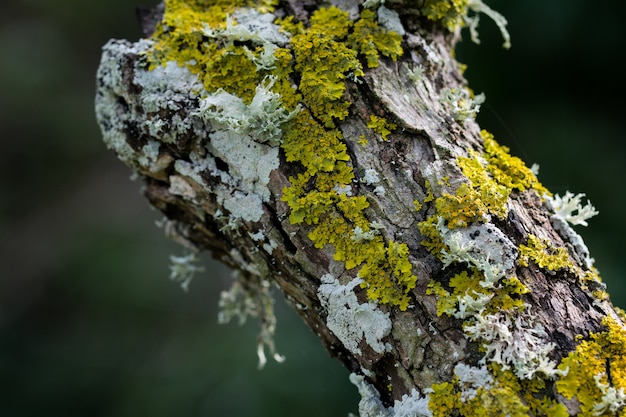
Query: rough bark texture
x=153 y=118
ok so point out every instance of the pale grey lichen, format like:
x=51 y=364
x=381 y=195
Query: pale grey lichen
x=478 y=6
x=471 y=379
x=569 y=208
x=461 y=104
x=483 y=246
x=370 y=405
x=262 y=118
x=390 y=20
x=350 y=320
x=612 y=399
x=250 y=164
x=515 y=340
x=183 y=268
x=252 y=300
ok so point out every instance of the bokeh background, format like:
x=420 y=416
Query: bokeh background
x=90 y=325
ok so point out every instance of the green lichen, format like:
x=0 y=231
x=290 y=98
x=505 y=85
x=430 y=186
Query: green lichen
x=595 y=372
x=543 y=254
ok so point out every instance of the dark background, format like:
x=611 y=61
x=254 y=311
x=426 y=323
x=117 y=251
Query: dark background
x=90 y=325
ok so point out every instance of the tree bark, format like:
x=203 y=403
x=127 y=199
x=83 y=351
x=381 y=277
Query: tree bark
x=499 y=288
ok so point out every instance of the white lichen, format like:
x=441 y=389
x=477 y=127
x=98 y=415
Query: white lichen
x=262 y=119
x=249 y=165
x=183 y=268
x=515 y=341
x=570 y=209
x=471 y=379
x=370 y=176
x=478 y=6
x=251 y=300
x=370 y=405
x=351 y=321
x=416 y=74
x=414 y=405
x=612 y=399
x=461 y=104
x=358 y=235
x=484 y=247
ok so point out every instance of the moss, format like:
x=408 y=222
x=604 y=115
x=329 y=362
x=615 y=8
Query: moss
x=595 y=372
x=543 y=254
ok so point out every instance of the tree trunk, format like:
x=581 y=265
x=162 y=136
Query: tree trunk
x=333 y=152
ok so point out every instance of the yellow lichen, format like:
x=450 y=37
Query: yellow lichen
x=325 y=56
x=381 y=126
x=502 y=395
x=595 y=372
x=543 y=254
x=372 y=40
x=451 y=13
x=507 y=170
x=506 y=296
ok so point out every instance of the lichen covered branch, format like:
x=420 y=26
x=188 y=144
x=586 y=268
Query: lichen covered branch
x=333 y=152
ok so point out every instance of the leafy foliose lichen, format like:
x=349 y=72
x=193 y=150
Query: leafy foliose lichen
x=543 y=254
x=454 y=14
x=326 y=53
x=381 y=126
x=595 y=372
x=491 y=177
x=492 y=392
x=249 y=62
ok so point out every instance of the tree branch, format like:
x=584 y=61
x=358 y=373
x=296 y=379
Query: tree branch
x=333 y=152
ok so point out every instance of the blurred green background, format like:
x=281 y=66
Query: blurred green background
x=90 y=325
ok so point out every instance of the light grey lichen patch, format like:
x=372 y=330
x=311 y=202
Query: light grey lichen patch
x=350 y=320
x=131 y=100
x=262 y=118
x=250 y=164
x=183 y=268
x=243 y=187
x=516 y=341
x=471 y=379
x=482 y=246
x=390 y=20
x=168 y=89
x=252 y=300
x=250 y=25
x=414 y=405
x=370 y=405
